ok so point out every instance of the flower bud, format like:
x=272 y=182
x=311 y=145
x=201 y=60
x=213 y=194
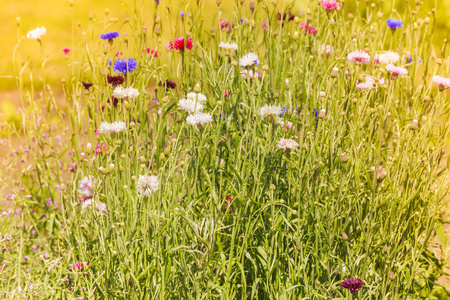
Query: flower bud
x=89 y=148
x=344 y=236
x=197 y=88
x=322 y=113
x=344 y=158
x=334 y=72
x=414 y=125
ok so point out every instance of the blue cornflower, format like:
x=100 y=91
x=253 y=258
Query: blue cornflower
x=394 y=24
x=283 y=111
x=120 y=65
x=410 y=59
x=109 y=36
x=316 y=113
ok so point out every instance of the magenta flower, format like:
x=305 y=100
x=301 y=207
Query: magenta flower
x=66 y=51
x=395 y=71
x=352 y=284
x=329 y=5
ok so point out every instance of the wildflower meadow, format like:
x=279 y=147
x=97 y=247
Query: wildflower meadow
x=277 y=154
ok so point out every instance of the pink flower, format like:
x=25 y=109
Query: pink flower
x=265 y=25
x=443 y=83
x=376 y=60
x=226 y=93
x=118 y=53
x=308 y=28
x=178 y=44
x=152 y=52
x=359 y=57
x=250 y=74
x=364 y=86
x=395 y=71
x=78 y=266
x=66 y=51
x=225 y=25
x=329 y=4
x=99 y=149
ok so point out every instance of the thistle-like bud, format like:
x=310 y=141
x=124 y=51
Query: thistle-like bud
x=414 y=125
x=197 y=88
x=89 y=148
x=344 y=158
x=344 y=236
x=222 y=164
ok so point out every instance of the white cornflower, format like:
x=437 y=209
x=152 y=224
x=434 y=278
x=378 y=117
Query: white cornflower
x=190 y=106
x=196 y=97
x=147 y=185
x=248 y=60
x=389 y=57
x=270 y=110
x=120 y=92
x=106 y=127
x=86 y=186
x=287 y=144
x=36 y=34
x=228 y=46
x=199 y=119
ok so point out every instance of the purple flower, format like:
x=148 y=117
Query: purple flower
x=394 y=24
x=352 y=284
x=109 y=36
x=124 y=66
x=87 y=85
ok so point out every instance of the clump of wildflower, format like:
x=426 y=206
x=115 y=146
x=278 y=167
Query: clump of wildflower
x=199 y=118
x=308 y=28
x=389 y=57
x=190 y=106
x=99 y=149
x=286 y=124
x=287 y=144
x=444 y=83
x=115 y=80
x=396 y=71
x=359 y=57
x=115 y=127
x=394 y=24
x=228 y=46
x=78 y=266
x=329 y=5
x=87 y=85
x=249 y=60
x=178 y=44
x=153 y=52
x=86 y=186
x=120 y=92
x=199 y=97
x=270 y=111
x=147 y=185
x=124 y=66
x=352 y=284
x=36 y=34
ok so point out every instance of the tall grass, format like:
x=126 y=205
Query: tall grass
x=234 y=216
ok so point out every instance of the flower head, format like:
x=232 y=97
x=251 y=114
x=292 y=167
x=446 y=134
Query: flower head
x=147 y=185
x=109 y=35
x=178 y=44
x=270 y=111
x=168 y=84
x=87 y=85
x=250 y=74
x=287 y=144
x=248 y=60
x=389 y=57
x=394 y=24
x=444 y=83
x=115 y=80
x=352 y=284
x=89 y=203
x=190 y=106
x=359 y=57
x=86 y=186
x=36 y=34
x=395 y=71
x=224 y=25
x=153 y=52
x=199 y=97
x=120 y=93
x=329 y=5
x=124 y=66
x=199 y=118
x=78 y=266
x=66 y=51
x=380 y=172
x=106 y=127
x=228 y=46
x=308 y=28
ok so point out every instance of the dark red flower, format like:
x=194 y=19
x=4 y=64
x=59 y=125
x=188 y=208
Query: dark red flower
x=115 y=80
x=352 y=284
x=168 y=84
x=87 y=85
